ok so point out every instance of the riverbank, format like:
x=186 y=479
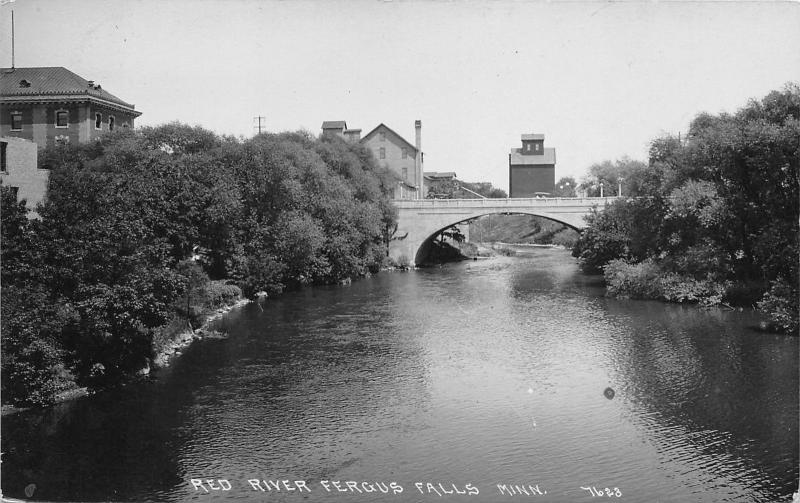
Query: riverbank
x=182 y=339
x=173 y=346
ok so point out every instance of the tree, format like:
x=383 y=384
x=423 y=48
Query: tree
x=565 y=187
x=722 y=207
x=611 y=175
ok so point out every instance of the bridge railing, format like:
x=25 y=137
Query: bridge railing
x=507 y=202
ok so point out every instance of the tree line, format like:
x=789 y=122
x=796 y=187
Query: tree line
x=712 y=217
x=142 y=228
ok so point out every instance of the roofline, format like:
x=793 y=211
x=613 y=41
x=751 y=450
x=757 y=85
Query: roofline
x=61 y=98
x=390 y=129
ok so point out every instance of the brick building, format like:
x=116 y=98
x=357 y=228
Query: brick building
x=49 y=105
x=44 y=106
x=532 y=168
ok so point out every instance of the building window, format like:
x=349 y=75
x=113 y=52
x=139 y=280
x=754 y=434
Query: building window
x=383 y=135
x=405 y=153
x=3 y=166
x=110 y=122
x=62 y=139
x=125 y=125
x=14 y=190
x=405 y=174
x=16 y=121
x=383 y=153
x=98 y=121
x=528 y=147
x=62 y=118
x=537 y=147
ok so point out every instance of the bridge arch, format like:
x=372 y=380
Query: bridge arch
x=419 y=220
x=423 y=248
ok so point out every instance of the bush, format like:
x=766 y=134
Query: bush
x=506 y=251
x=647 y=280
x=566 y=238
x=602 y=241
x=677 y=288
x=219 y=293
x=780 y=304
x=636 y=281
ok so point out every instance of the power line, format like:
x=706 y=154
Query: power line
x=258 y=126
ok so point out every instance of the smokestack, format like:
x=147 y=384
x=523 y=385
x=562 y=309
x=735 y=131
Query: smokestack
x=418 y=128
x=418 y=176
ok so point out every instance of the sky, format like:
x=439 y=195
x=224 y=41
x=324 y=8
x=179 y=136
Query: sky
x=599 y=79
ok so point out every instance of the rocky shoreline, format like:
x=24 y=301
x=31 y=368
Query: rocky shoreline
x=162 y=359
x=182 y=340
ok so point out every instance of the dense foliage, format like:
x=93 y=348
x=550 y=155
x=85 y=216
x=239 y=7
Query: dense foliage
x=712 y=217
x=136 y=223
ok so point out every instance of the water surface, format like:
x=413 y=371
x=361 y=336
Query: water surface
x=510 y=371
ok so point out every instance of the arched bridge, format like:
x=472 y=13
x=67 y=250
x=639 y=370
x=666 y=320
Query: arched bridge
x=419 y=220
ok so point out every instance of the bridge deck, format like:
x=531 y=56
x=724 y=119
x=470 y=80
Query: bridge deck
x=499 y=203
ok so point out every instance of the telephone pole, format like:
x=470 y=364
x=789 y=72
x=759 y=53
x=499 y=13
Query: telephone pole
x=257 y=123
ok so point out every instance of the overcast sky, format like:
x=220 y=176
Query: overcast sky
x=600 y=80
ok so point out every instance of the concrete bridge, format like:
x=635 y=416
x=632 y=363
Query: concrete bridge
x=421 y=220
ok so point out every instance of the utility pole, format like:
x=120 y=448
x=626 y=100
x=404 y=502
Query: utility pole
x=12 y=40
x=258 y=126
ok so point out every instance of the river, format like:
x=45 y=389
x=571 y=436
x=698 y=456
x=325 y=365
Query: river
x=470 y=378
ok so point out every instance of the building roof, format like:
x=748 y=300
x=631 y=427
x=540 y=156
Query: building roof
x=518 y=158
x=532 y=137
x=334 y=125
x=53 y=83
x=439 y=174
x=352 y=130
x=384 y=126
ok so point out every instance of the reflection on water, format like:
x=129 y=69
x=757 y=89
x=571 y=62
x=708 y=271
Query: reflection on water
x=472 y=375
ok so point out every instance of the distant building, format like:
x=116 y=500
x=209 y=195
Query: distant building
x=339 y=128
x=400 y=156
x=392 y=151
x=440 y=185
x=18 y=170
x=49 y=105
x=532 y=168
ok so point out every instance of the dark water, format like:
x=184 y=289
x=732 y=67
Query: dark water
x=468 y=376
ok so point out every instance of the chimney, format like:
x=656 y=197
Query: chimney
x=418 y=128
x=418 y=176
x=91 y=83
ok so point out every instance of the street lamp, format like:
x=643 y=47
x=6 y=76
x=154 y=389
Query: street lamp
x=601 y=189
x=619 y=193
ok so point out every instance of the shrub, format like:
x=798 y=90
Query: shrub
x=780 y=304
x=219 y=293
x=677 y=288
x=566 y=238
x=636 y=281
x=506 y=251
x=647 y=280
